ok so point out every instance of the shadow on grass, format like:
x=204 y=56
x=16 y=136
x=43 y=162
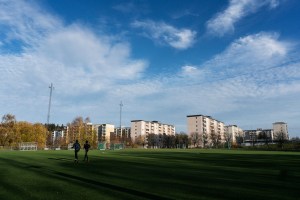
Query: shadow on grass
x=79 y=180
x=62 y=159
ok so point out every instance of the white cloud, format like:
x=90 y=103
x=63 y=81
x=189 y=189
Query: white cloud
x=225 y=21
x=80 y=63
x=92 y=73
x=167 y=34
x=189 y=71
x=25 y=22
x=253 y=75
x=250 y=53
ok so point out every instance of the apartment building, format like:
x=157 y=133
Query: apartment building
x=280 y=128
x=105 y=132
x=258 y=136
x=234 y=132
x=123 y=134
x=76 y=130
x=205 y=125
x=141 y=128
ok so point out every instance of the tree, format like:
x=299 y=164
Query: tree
x=151 y=140
x=80 y=130
x=195 y=138
x=264 y=136
x=228 y=138
x=280 y=137
x=204 y=139
x=215 y=139
x=39 y=131
x=140 y=140
x=7 y=128
x=181 y=140
x=239 y=138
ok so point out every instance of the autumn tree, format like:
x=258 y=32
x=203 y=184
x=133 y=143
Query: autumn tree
x=7 y=130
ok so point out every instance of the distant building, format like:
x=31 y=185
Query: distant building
x=258 y=136
x=280 y=128
x=57 y=135
x=123 y=134
x=141 y=128
x=60 y=133
x=205 y=125
x=234 y=131
x=104 y=132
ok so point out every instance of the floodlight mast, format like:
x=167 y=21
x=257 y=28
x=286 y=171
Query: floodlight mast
x=49 y=106
x=121 y=105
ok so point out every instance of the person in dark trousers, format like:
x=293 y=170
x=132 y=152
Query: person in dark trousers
x=86 y=147
x=76 y=147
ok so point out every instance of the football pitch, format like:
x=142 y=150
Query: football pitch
x=150 y=174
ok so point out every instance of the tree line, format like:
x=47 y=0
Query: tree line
x=179 y=140
x=12 y=133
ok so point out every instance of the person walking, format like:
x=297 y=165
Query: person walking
x=86 y=147
x=77 y=148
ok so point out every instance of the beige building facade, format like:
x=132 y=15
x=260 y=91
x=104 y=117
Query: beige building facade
x=233 y=131
x=104 y=132
x=205 y=125
x=280 y=127
x=141 y=128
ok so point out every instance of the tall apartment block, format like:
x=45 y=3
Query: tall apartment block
x=281 y=127
x=204 y=125
x=104 y=132
x=234 y=131
x=143 y=128
x=123 y=134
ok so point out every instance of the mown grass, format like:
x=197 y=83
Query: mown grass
x=150 y=174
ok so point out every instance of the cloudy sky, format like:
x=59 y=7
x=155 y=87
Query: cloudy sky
x=237 y=61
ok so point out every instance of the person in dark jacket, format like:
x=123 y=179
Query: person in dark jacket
x=86 y=147
x=77 y=148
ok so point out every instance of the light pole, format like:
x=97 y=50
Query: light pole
x=121 y=105
x=49 y=107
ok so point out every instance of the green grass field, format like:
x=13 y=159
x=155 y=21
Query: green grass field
x=150 y=174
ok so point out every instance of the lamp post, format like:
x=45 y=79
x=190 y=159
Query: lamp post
x=121 y=105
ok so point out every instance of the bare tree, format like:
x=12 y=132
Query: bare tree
x=204 y=139
x=228 y=138
x=239 y=138
x=195 y=138
x=281 y=138
x=215 y=139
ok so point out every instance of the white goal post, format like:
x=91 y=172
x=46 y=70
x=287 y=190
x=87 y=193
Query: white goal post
x=28 y=146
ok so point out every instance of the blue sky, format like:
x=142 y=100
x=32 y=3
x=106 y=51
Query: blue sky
x=237 y=61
